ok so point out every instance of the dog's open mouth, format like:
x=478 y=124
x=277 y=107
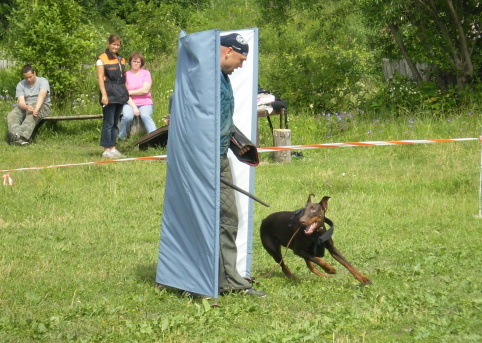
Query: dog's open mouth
x=312 y=228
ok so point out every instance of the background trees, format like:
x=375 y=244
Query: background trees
x=55 y=37
x=322 y=55
x=316 y=53
x=445 y=34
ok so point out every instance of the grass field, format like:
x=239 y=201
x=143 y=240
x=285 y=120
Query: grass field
x=78 y=245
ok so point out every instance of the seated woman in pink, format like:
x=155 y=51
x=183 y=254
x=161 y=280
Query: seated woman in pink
x=138 y=82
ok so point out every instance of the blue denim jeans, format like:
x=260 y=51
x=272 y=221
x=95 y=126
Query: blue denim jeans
x=108 y=135
x=128 y=116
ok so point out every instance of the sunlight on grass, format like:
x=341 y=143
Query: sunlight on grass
x=79 y=244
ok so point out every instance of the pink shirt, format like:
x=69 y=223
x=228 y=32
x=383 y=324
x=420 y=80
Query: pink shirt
x=136 y=81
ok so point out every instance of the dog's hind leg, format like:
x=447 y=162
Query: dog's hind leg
x=274 y=249
x=286 y=270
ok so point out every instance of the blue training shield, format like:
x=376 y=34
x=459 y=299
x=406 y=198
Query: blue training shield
x=189 y=245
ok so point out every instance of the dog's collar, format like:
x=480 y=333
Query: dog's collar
x=328 y=233
x=293 y=215
x=319 y=242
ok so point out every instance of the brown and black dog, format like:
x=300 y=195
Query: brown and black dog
x=305 y=233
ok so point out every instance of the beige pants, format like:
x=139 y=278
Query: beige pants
x=229 y=278
x=22 y=123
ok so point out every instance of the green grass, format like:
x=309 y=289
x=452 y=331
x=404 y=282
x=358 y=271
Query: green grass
x=78 y=245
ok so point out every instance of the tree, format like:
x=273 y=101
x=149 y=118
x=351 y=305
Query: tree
x=313 y=53
x=443 y=33
x=55 y=37
x=5 y=9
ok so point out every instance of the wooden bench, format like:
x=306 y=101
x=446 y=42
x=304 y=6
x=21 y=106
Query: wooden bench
x=62 y=118
x=80 y=117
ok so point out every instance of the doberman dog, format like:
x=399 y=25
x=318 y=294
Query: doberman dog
x=304 y=232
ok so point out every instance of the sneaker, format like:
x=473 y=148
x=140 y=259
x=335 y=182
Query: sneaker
x=194 y=295
x=254 y=292
x=20 y=142
x=109 y=154
x=117 y=153
x=12 y=137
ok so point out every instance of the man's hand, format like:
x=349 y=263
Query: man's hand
x=31 y=110
x=244 y=150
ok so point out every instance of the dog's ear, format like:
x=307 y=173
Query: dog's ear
x=309 y=198
x=324 y=203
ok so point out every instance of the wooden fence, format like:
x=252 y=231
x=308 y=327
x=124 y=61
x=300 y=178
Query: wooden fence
x=6 y=64
x=401 y=67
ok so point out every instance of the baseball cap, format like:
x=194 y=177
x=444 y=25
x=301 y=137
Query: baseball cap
x=237 y=42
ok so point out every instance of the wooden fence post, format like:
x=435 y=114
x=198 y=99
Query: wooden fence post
x=282 y=137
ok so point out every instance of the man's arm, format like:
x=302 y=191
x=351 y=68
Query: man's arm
x=21 y=104
x=40 y=101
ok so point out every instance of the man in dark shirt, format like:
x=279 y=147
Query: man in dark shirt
x=234 y=51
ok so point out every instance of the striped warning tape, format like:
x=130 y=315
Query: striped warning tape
x=159 y=157
x=369 y=143
x=7 y=180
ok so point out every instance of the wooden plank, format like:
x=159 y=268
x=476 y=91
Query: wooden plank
x=79 y=117
x=60 y=118
x=157 y=137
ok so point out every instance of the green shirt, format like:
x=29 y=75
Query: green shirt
x=227 y=110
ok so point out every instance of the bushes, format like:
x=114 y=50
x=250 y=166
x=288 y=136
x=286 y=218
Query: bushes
x=315 y=56
x=56 y=38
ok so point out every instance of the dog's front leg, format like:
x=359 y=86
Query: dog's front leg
x=325 y=265
x=310 y=260
x=330 y=246
x=310 y=265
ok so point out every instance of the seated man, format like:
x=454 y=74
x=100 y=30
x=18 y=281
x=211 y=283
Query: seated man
x=33 y=104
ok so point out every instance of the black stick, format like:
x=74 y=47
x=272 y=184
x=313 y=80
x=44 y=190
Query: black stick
x=240 y=190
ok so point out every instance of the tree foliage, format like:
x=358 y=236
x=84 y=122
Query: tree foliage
x=152 y=27
x=445 y=34
x=55 y=37
x=149 y=29
x=5 y=9
x=313 y=53
x=324 y=55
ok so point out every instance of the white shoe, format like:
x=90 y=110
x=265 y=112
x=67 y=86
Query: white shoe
x=109 y=154
x=117 y=153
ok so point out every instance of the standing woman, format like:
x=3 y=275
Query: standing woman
x=111 y=76
x=140 y=102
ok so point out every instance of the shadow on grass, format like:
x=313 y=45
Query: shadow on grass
x=146 y=273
